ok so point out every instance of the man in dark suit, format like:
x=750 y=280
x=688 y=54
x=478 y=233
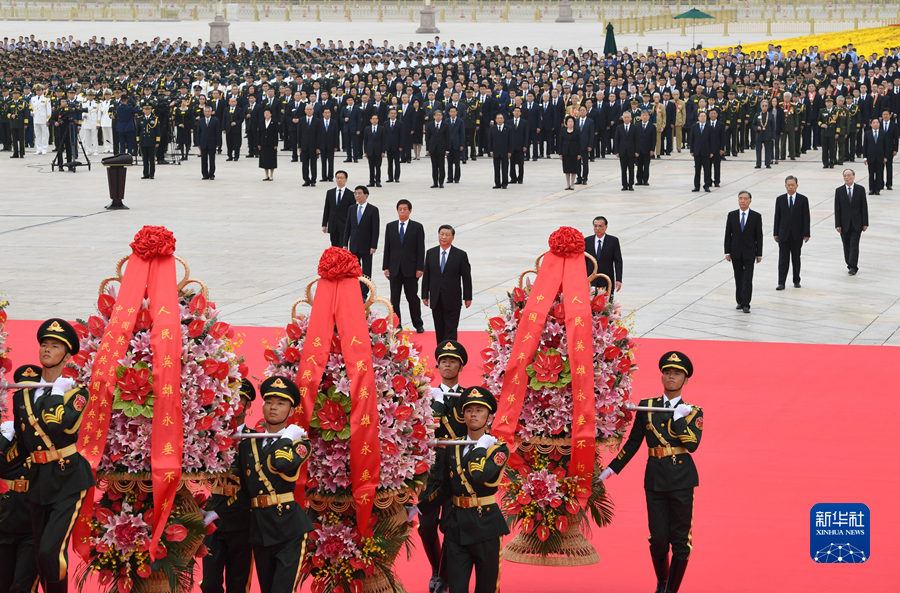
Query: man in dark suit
x=702 y=151
x=374 y=140
x=209 y=138
x=501 y=151
x=851 y=218
x=404 y=262
x=743 y=248
x=791 y=230
x=294 y=111
x=446 y=269
x=671 y=111
x=626 y=150
x=534 y=114
x=327 y=139
x=253 y=113
x=457 y=151
x=338 y=201
x=393 y=145
x=717 y=141
x=437 y=145
x=361 y=232
x=350 y=116
x=605 y=249
x=308 y=143
x=519 y=128
x=875 y=147
x=585 y=127
x=234 y=118
x=645 y=147
x=892 y=139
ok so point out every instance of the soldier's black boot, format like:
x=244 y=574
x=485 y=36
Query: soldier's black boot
x=661 y=567
x=676 y=574
x=57 y=586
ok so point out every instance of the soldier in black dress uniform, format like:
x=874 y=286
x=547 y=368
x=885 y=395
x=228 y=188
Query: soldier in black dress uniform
x=47 y=421
x=671 y=476
x=269 y=468
x=18 y=569
x=474 y=527
x=451 y=358
x=229 y=547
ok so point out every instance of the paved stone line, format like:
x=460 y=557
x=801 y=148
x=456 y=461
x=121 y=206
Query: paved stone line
x=61 y=219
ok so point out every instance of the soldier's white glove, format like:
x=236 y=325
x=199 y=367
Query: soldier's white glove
x=62 y=385
x=294 y=433
x=682 y=411
x=486 y=441
x=411 y=513
x=8 y=430
x=437 y=394
x=209 y=517
x=605 y=474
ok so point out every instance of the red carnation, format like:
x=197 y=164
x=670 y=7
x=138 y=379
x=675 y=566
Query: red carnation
x=292 y=354
x=332 y=416
x=153 y=241
x=379 y=350
x=198 y=305
x=195 y=328
x=96 y=326
x=143 y=320
x=379 y=326
x=566 y=241
x=105 y=305
x=294 y=332
x=337 y=263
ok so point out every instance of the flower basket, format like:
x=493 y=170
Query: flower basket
x=165 y=386
x=5 y=362
x=342 y=555
x=549 y=503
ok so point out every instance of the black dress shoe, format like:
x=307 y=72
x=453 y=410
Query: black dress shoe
x=145 y=177
x=152 y=177
x=757 y=167
x=738 y=308
x=212 y=177
x=796 y=285
x=746 y=309
x=696 y=189
x=434 y=185
x=420 y=329
x=706 y=189
x=377 y=184
x=442 y=186
x=313 y=185
x=505 y=185
x=630 y=188
x=626 y=189
x=498 y=187
x=205 y=178
x=306 y=184
x=229 y=159
x=779 y=287
x=852 y=272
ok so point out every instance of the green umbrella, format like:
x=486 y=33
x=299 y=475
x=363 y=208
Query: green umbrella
x=694 y=14
x=610 y=46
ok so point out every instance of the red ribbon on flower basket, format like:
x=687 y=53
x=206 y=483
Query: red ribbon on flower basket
x=151 y=273
x=338 y=302
x=561 y=269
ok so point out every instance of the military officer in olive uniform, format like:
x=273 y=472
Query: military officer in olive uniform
x=269 y=468
x=228 y=506
x=17 y=112
x=843 y=129
x=148 y=140
x=474 y=527
x=828 y=123
x=670 y=476
x=18 y=570
x=451 y=357
x=47 y=421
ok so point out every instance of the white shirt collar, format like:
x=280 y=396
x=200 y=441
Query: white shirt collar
x=672 y=402
x=446 y=250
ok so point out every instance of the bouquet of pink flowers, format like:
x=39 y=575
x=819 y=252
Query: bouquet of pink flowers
x=210 y=387
x=5 y=362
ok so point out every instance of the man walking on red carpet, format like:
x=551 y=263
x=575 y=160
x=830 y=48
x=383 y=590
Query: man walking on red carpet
x=670 y=476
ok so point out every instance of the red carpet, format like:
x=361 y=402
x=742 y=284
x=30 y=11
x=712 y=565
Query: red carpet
x=786 y=426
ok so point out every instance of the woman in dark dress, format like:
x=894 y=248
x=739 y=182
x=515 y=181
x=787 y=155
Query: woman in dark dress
x=198 y=114
x=268 y=144
x=569 y=149
x=184 y=123
x=419 y=126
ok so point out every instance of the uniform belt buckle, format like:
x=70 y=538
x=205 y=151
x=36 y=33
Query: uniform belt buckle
x=20 y=486
x=40 y=456
x=264 y=501
x=230 y=491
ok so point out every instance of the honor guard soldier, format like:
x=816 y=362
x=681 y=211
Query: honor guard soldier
x=148 y=140
x=46 y=424
x=17 y=112
x=230 y=553
x=18 y=570
x=451 y=358
x=474 y=527
x=843 y=129
x=269 y=468
x=732 y=113
x=670 y=476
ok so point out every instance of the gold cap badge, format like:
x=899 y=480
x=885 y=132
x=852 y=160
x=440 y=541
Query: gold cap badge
x=674 y=358
x=279 y=384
